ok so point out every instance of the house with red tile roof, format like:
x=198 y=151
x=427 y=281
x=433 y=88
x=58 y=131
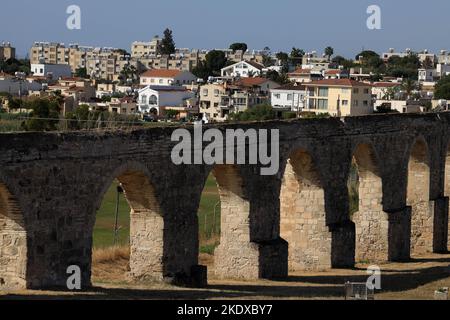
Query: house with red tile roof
x=167 y=77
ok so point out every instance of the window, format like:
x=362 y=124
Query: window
x=323 y=92
x=322 y=104
x=366 y=91
x=356 y=103
x=153 y=100
x=345 y=91
x=365 y=103
x=289 y=96
x=216 y=92
x=277 y=96
x=356 y=90
x=160 y=81
x=345 y=102
x=143 y=99
x=205 y=92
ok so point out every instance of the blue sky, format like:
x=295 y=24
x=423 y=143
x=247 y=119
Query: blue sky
x=281 y=24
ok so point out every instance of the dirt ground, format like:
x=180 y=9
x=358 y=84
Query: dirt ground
x=417 y=279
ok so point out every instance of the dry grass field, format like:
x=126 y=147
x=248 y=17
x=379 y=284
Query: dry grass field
x=414 y=280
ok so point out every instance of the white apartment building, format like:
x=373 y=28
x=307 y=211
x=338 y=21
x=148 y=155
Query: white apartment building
x=243 y=69
x=431 y=75
x=153 y=99
x=290 y=97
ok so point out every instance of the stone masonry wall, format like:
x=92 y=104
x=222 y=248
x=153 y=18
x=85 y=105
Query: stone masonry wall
x=58 y=181
x=303 y=223
x=13 y=243
x=371 y=221
x=419 y=200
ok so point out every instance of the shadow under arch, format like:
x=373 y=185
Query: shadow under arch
x=447 y=186
x=371 y=222
x=13 y=243
x=302 y=214
x=418 y=197
x=146 y=220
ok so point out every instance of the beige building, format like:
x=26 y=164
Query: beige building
x=214 y=101
x=339 y=97
x=218 y=100
x=7 y=51
x=141 y=49
x=100 y=63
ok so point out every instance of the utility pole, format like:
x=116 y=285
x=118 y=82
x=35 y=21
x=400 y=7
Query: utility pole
x=116 y=223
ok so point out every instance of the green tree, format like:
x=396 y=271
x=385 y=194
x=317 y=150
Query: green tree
x=408 y=86
x=215 y=60
x=403 y=67
x=167 y=45
x=341 y=61
x=129 y=72
x=12 y=66
x=81 y=73
x=297 y=53
x=329 y=51
x=239 y=46
x=442 y=88
x=277 y=77
x=257 y=113
x=44 y=115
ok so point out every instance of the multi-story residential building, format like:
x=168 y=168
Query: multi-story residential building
x=423 y=55
x=433 y=74
x=218 y=100
x=444 y=57
x=167 y=77
x=301 y=75
x=312 y=60
x=80 y=89
x=7 y=51
x=140 y=49
x=100 y=63
x=155 y=99
x=290 y=97
x=211 y=99
x=339 y=97
x=427 y=75
x=385 y=90
x=336 y=74
x=108 y=64
x=125 y=105
x=243 y=69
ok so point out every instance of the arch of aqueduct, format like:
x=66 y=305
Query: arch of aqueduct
x=51 y=185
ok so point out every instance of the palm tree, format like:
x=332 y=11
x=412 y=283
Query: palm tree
x=408 y=86
x=329 y=51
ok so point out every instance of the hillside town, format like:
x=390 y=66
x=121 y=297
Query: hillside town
x=156 y=81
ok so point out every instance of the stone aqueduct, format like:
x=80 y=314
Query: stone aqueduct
x=51 y=185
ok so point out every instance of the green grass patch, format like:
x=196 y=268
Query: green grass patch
x=105 y=219
x=209 y=225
